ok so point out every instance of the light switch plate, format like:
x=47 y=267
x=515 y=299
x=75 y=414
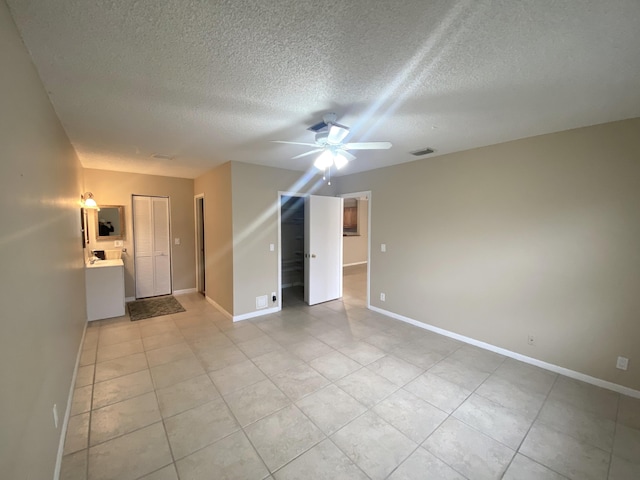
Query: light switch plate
x=118 y=243
x=176 y=241
x=622 y=363
x=383 y=247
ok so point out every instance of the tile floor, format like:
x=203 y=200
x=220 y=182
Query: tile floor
x=334 y=391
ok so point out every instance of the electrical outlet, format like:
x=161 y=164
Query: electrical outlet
x=273 y=297
x=118 y=243
x=383 y=297
x=622 y=363
x=176 y=241
x=272 y=247
x=55 y=415
x=530 y=340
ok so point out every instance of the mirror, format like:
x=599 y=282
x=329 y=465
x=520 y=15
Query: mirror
x=110 y=222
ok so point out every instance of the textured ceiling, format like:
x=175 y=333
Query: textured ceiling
x=212 y=81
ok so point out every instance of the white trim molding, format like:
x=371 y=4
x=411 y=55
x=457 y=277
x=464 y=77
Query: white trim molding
x=67 y=413
x=244 y=316
x=219 y=307
x=184 y=291
x=259 y=313
x=517 y=356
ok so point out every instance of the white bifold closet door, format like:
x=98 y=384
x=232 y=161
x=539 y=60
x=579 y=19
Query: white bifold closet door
x=152 y=246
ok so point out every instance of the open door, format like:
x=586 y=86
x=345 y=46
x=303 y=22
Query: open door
x=322 y=249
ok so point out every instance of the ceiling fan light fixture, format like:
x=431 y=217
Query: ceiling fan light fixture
x=340 y=160
x=324 y=160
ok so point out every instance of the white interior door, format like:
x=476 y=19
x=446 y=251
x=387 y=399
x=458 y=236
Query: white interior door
x=151 y=246
x=323 y=249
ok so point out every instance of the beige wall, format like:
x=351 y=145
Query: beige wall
x=255 y=226
x=216 y=187
x=116 y=188
x=355 y=247
x=538 y=236
x=42 y=294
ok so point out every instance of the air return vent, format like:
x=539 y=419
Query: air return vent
x=318 y=127
x=423 y=151
x=163 y=156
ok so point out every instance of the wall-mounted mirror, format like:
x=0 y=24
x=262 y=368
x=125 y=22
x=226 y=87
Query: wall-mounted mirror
x=110 y=222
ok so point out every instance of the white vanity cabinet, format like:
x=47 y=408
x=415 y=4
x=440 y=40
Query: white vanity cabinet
x=104 y=281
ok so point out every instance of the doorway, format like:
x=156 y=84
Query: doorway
x=310 y=253
x=200 y=245
x=357 y=247
x=291 y=249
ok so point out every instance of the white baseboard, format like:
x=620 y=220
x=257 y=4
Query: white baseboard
x=245 y=316
x=219 y=307
x=352 y=264
x=67 y=412
x=259 y=313
x=518 y=356
x=129 y=299
x=185 y=291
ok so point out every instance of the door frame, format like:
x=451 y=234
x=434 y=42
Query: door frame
x=281 y=194
x=201 y=265
x=365 y=193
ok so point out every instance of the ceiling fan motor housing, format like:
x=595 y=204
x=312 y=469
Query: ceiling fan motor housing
x=322 y=138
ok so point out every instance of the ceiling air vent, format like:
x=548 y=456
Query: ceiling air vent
x=163 y=156
x=318 y=127
x=423 y=151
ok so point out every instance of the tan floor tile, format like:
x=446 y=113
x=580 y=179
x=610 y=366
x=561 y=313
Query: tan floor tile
x=468 y=451
x=186 y=395
x=374 y=445
x=74 y=466
x=422 y=464
x=165 y=473
x=84 y=376
x=124 y=417
x=299 y=381
x=81 y=401
x=120 y=366
x=170 y=373
x=330 y=408
x=334 y=365
x=326 y=462
x=256 y=401
x=232 y=457
x=437 y=391
x=196 y=428
x=237 y=376
x=411 y=415
x=109 y=352
x=121 y=388
x=130 y=456
x=77 y=437
x=282 y=436
x=564 y=454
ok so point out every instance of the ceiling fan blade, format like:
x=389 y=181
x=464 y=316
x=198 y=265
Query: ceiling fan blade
x=368 y=146
x=295 y=143
x=307 y=153
x=347 y=155
x=337 y=133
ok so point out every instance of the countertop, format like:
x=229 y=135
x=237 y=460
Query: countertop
x=105 y=263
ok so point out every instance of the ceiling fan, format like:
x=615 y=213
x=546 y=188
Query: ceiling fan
x=329 y=142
